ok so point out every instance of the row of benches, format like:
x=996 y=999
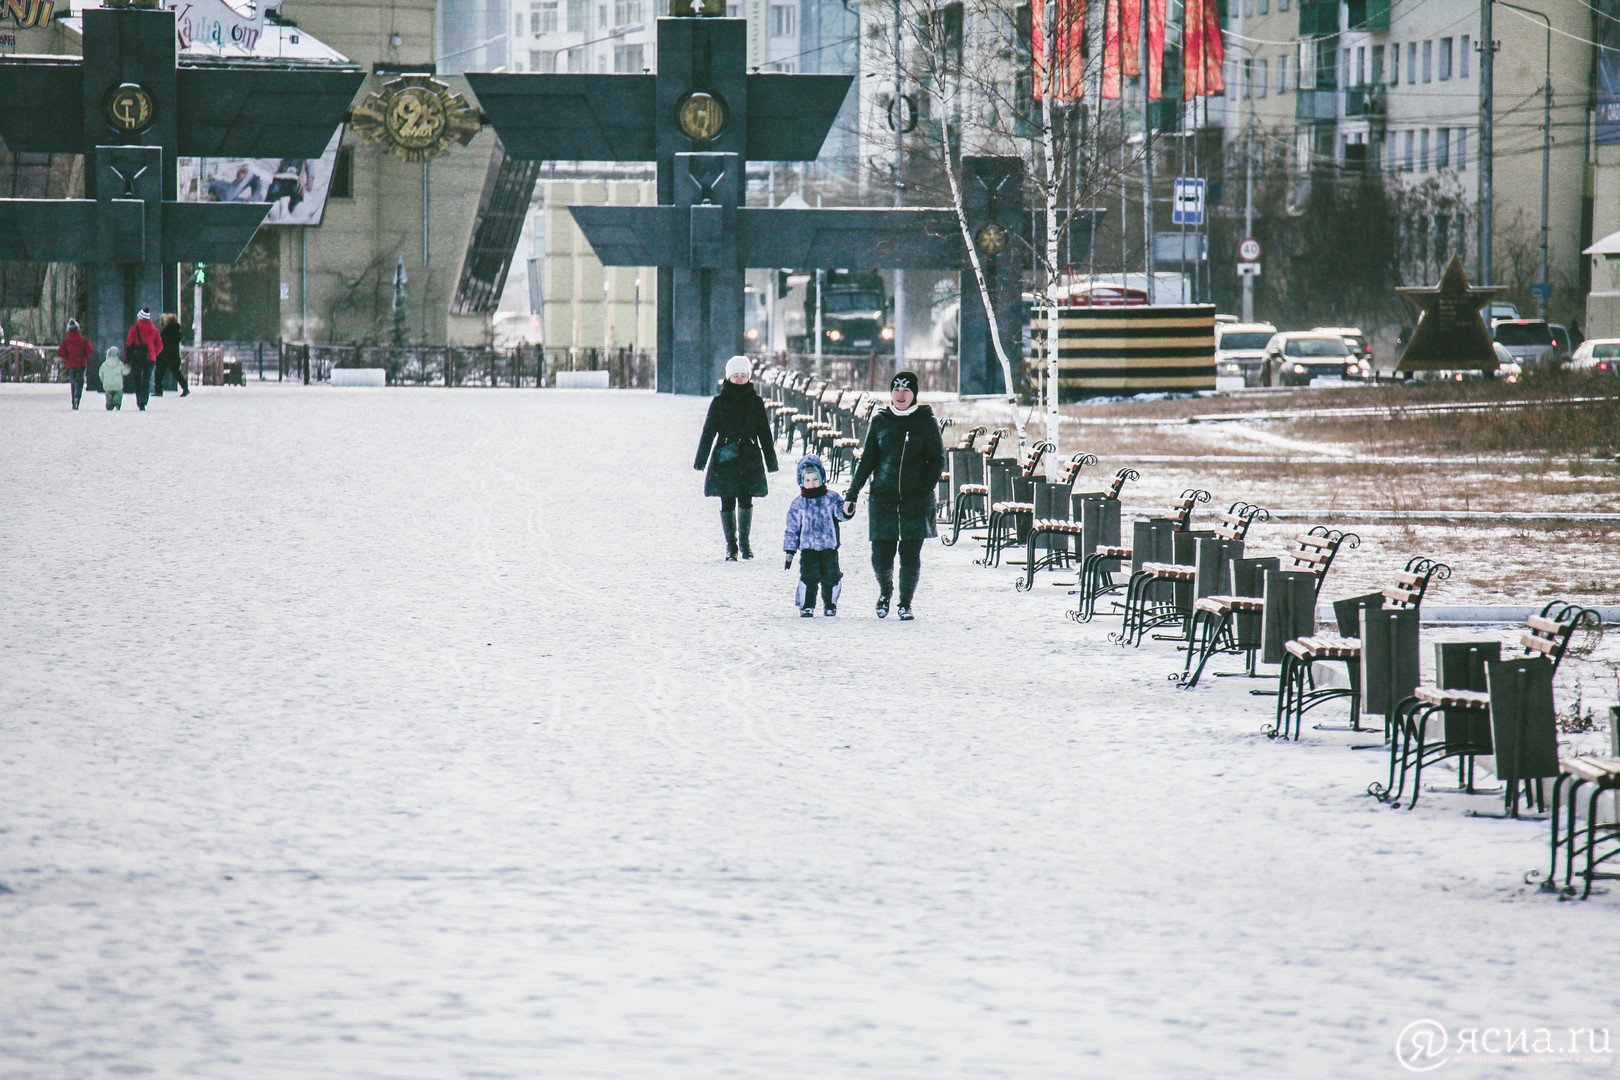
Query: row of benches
x=1201 y=584
x=1217 y=599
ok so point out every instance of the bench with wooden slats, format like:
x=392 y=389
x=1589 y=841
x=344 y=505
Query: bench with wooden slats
x=1210 y=630
x=1071 y=527
x=1297 y=692
x=1547 y=634
x=1098 y=568
x=1148 y=606
x=976 y=496
x=1598 y=839
x=1006 y=515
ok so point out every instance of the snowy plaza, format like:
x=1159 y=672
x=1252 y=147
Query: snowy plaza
x=393 y=733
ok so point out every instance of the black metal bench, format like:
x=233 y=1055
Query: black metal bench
x=1098 y=570
x=1012 y=513
x=1598 y=841
x=1297 y=692
x=974 y=494
x=1088 y=519
x=1162 y=593
x=1466 y=714
x=1215 y=621
x=960 y=462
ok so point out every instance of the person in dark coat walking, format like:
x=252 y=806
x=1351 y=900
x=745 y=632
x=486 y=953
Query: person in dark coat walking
x=75 y=352
x=903 y=457
x=737 y=448
x=169 y=359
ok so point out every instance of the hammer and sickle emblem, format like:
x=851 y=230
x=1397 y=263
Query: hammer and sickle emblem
x=129 y=108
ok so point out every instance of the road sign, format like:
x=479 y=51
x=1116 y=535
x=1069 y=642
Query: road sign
x=1248 y=269
x=1541 y=290
x=1249 y=249
x=1187 y=208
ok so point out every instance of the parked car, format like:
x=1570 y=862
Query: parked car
x=1500 y=309
x=1507 y=369
x=1596 y=356
x=1240 y=349
x=1563 y=346
x=1296 y=357
x=1529 y=340
x=1359 y=345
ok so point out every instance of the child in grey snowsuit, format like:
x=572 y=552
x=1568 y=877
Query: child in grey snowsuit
x=113 y=370
x=812 y=533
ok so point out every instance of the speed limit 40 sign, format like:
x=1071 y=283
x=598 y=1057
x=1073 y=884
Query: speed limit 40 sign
x=1249 y=249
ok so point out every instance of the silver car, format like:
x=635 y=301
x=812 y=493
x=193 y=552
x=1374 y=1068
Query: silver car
x=1530 y=341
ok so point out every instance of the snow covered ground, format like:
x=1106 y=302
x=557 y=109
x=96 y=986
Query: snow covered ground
x=423 y=733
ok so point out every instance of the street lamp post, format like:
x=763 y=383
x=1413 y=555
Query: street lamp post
x=1546 y=150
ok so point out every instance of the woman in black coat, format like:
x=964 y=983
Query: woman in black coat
x=739 y=436
x=170 y=360
x=903 y=457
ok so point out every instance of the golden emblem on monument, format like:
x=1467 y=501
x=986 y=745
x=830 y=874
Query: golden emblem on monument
x=417 y=117
x=129 y=108
x=700 y=116
x=992 y=239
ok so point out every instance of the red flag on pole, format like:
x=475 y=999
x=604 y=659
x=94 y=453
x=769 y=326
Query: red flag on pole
x=1155 y=32
x=1067 y=59
x=1111 y=65
x=1214 y=51
x=1130 y=37
x=1192 y=50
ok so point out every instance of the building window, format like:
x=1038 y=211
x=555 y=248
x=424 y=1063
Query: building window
x=626 y=12
x=579 y=14
x=1428 y=61
x=1411 y=62
x=342 y=186
x=1462 y=56
x=1262 y=6
x=542 y=61
x=787 y=67
x=1462 y=150
x=544 y=17
x=1442 y=148
x=1282 y=74
x=517 y=26
x=1423 y=150
x=1344 y=68
x=1445 y=59
x=1361 y=65
x=1282 y=5
x=601 y=17
x=1394 y=65
x=1407 y=140
x=1377 y=75
x=627 y=59
x=784 y=20
x=733 y=10
x=1261 y=76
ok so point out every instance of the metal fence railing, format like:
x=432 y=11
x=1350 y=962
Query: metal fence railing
x=407 y=365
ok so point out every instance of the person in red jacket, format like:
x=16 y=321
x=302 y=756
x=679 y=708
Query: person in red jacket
x=142 y=346
x=75 y=352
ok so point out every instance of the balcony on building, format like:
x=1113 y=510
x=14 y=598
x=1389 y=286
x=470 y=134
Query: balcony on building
x=1368 y=101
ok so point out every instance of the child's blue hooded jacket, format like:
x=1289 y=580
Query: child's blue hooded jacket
x=812 y=523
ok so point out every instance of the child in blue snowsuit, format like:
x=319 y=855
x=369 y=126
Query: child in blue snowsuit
x=812 y=532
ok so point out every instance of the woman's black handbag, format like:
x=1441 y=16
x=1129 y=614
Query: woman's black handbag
x=136 y=354
x=728 y=452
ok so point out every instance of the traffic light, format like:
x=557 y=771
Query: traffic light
x=199 y=275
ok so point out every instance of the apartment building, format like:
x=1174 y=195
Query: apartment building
x=1324 y=87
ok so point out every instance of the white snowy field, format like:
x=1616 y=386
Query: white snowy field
x=424 y=734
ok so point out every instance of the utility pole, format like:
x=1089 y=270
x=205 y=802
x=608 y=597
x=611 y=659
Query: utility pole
x=1487 y=94
x=1147 y=153
x=1248 y=188
x=898 y=111
x=1546 y=148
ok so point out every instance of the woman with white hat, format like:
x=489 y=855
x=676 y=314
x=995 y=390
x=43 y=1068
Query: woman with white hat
x=737 y=448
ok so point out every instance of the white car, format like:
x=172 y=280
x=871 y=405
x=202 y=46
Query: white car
x=1240 y=350
x=1359 y=345
x=1296 y=357
x=1596 y=356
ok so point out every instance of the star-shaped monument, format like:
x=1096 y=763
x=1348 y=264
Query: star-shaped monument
x=1450 y=332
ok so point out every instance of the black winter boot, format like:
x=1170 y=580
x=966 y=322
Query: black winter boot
x=745 y=522
x=728 y=522
x=908 y=589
